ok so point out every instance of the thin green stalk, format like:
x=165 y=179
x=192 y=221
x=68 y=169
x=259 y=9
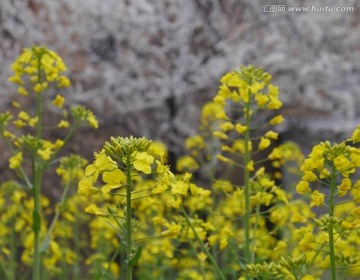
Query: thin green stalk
x=202 y=245
x=37 y=179
x=331 y=225
x=47 y=238
x=247 y=227
x=128 y=218
x=36 y=220
x=257 y=215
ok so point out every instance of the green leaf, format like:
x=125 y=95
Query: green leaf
x=136 y=257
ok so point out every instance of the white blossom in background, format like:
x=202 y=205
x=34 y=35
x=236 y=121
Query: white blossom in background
x=149 y=65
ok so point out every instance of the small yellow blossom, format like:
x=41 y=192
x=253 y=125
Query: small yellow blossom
x=142 y=162
x=22 y=91
x=344 y=187
x=23 y=116
x=173 y=231
x=63 y=82
x=276 y=120
x=250 y=166
x=93 y=209
x=15 y=161
x=264 y=143
x=317 y=199
x=63 y=124
x=112 y=179
x=58 y=101
x=303 y=187
x=85 y=188
x=298 y=218
x=271 y=135
x=240 y=128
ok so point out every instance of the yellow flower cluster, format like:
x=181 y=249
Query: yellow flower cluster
x=40 y=66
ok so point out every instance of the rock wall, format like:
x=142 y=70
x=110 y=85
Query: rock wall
x=146 y=67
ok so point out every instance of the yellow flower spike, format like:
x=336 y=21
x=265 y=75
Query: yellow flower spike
x=264 y=143
x=317 y=199
x=142 y=162
x=58 y=101
x=276 y=120
x=15 y=161
x=303 y=187
x=112 y=179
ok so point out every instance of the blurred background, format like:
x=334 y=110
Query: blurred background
x=147 y=67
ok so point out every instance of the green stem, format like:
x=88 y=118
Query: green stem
x=331 y=225
x=257 y=216
x=128 y=217
x=47 y=238
x=247 y=226
x=37 y=178
x=36 y=220
x=202 y=245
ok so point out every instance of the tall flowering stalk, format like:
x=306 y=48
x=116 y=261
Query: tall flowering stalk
x=36 y=71
x=328 y=181
x=243 y=95
x=121 y=163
